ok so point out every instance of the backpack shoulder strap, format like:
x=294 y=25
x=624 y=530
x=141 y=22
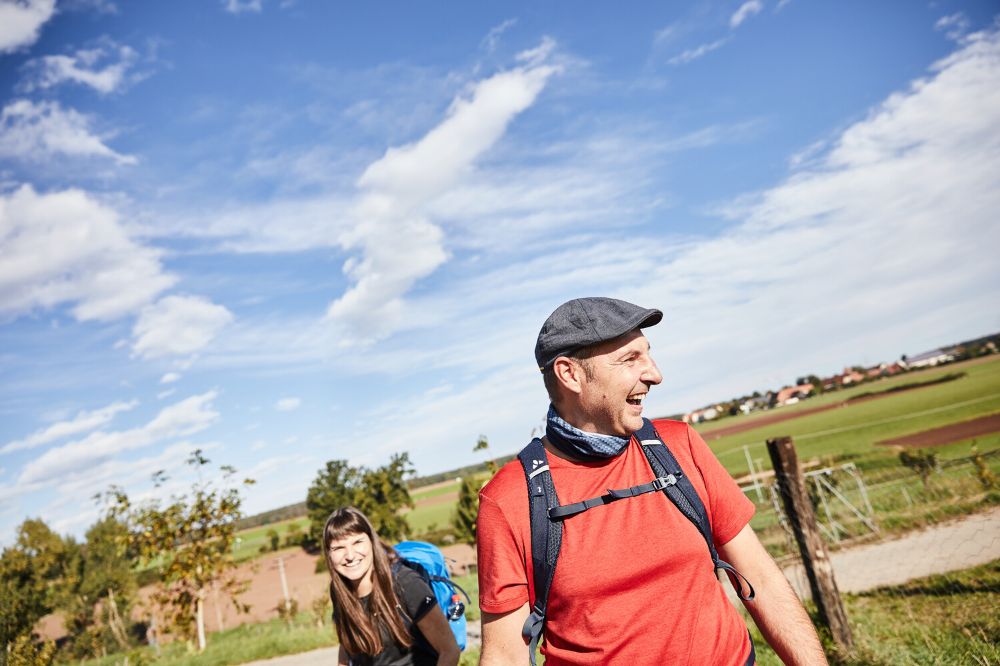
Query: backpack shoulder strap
x=684 y=496
x=546 y=537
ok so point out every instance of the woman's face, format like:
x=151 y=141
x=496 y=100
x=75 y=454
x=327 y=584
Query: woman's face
x=351 y=556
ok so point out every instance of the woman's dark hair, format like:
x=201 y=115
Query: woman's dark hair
x=360 y=632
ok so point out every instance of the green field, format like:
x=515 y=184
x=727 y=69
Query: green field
x=252 y=539
x=436 y=490
x=853 y=430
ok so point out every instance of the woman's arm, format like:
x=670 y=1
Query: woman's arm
x=434 y=626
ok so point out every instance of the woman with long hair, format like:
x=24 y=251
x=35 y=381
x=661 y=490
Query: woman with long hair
x=385 y=615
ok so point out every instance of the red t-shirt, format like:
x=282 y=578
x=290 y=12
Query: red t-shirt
x=634 y=583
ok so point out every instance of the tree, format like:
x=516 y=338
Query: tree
x=467 y=511
x=191 y=541
x=384 y=494
x=97 y=613
x=464 y=518
x=381 y=493
x=483 y=444
x=35 y=574
x=335 y=485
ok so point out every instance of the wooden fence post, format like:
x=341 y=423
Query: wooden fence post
x=799 y=509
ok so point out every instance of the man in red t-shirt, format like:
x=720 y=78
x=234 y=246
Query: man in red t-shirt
x=634 y=582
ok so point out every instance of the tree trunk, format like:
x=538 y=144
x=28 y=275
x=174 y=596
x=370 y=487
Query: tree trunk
x=115 y=621
x=200 y=620
x=221 y=626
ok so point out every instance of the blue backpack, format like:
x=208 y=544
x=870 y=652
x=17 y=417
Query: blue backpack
x=428 y=561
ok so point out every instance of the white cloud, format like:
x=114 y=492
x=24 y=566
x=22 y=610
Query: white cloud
x=184 y=418
x=288 y=404
x=241 y=6
x=954 y=26
x=691 y=55
x=169 y=378
x=399 y=243
x=21 y=22
x=163 y=395
x=67 y=248
x=745 y=11
x=884 y=244
x=83 y=67
x=492 y=39
x=34 y=131
x=83 y=422
x=177 y=325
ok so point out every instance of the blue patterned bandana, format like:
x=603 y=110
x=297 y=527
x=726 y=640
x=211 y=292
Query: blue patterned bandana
x=589 y=446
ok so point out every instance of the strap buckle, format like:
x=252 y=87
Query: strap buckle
x=662 y=482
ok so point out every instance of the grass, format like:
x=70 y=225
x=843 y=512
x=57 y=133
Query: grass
x=942 y=619
x=237 y=646
x=436 y=490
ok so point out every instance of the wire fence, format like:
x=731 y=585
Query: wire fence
x=914 y=540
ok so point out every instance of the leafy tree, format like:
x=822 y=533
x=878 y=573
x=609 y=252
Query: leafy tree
x=23 y=651
x=464 y=518
x=466 y=511
x=384 y=494
x=35 y=574
x=380 y=493
x=191 y=541
x=483 y=444
x=98 y=610
x=294 y=535
x=336 y=485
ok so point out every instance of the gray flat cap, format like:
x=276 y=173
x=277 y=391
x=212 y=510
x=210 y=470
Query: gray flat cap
x=587 y=321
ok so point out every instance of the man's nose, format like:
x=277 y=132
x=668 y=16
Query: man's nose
x=652 y=374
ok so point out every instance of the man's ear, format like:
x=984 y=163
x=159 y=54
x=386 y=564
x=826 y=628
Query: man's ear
x=569 y=374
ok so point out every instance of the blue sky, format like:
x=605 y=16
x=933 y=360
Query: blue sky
x=287 y=231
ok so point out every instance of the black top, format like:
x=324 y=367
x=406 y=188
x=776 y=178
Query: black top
x=417 y=599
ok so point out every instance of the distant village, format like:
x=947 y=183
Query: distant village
x=810 y=385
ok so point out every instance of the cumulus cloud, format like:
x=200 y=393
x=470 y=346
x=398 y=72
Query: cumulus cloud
x=169 y=378
x=288 y=404
x=745 y=11
x=21 y=22
x=104 y=68
x=398 y=242
x=34 y=131
x=67 y=248
x=691 y=55
x=181 y=419
x=84 y=421
x=177 y=325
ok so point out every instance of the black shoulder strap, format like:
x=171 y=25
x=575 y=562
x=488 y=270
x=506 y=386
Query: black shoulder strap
x=686 y=499
x=546 y=537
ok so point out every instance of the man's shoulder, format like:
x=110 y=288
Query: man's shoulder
x=509 y=478
x=670 y=428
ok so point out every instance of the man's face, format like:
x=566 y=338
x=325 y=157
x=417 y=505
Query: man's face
x=621 y=372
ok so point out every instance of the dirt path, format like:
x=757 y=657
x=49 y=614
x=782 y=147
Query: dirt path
x=958 y=544
x=329 y=655
x=954 y=432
